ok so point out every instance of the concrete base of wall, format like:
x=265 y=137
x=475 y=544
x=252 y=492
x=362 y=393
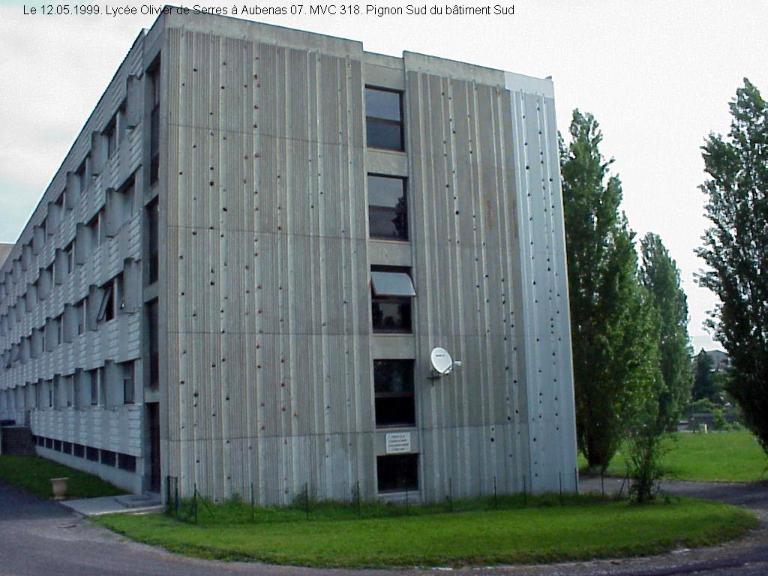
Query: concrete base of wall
x=130 y=481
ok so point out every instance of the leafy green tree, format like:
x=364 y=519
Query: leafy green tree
x=703 y=381
x=736 y=251
x=612 y=338
x=661 y=278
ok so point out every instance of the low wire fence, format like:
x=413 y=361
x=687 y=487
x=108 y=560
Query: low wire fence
x=303 y=505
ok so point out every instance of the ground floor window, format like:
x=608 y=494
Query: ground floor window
x=393 y=383
x=397 y=473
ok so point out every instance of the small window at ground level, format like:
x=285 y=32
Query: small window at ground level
x=78 y=450
x=92 y=454
x=108 y=458
x=66 y=447
x=393 y=384
x=397 y=473
x=126 y=462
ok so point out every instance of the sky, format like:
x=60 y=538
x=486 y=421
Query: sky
x=657 y=75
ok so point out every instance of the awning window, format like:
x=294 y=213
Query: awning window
x=392 y=284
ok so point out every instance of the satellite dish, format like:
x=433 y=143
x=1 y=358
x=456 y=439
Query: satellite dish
x=441 y=361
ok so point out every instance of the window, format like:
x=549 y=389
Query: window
x=154 y=344
x=78 y=450
x=94 y=376
x=393 y=384
x=108 y=458
x=107 y=308
x=387 y=208
x=128 y=386
x=70 y=257
x=94 y=230
x=384 y=118
x=154 y=138
x=153 y=228
x=92 y=454
x=82 y=316
x=59 y=330
x=397 y=473
x=110 y=133
x=126 y=462
x=392 y=291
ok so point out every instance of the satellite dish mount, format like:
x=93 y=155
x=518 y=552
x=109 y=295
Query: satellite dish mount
x=442 y=363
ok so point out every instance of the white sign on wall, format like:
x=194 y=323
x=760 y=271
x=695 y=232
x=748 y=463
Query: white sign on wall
x=398 y=442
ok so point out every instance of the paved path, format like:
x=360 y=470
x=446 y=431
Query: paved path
x=42 y=538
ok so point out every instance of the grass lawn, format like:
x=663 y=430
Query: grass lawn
x=33 y=474
x=715 y=457
x=576 y=530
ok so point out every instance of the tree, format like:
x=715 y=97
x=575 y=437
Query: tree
x=735 y=251
x=703 y=382
x=612 y=337
x=661 y=278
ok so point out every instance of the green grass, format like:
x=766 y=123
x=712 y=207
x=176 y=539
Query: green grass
x=574 y=531
x=714 y=457
x=33 y=474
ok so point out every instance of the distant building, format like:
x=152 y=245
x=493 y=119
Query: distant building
x=238 y=275
x=720 y=360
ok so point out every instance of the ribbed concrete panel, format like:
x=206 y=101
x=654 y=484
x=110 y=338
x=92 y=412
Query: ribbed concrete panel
x=268 y=309
x=465 y=273
x=544 y=305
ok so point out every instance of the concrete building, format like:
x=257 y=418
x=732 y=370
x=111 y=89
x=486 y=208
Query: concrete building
x=238 y=275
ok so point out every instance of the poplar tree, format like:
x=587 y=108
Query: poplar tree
x=661 y=278
x=735 y=251
x=614 y=350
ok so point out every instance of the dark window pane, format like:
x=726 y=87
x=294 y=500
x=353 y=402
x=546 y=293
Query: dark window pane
x=153 y=227
x=126 y=462
x=393 y=384
x=79 y=450
x=92 y=454
x=154 y=344
x=384 y=134
x=392 y=315
x=398 y=473
x=383 y=104
x=66 y=447
x=387 y=208
x=108 y=458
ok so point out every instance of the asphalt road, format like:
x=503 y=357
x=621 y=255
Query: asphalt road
x=41 y=538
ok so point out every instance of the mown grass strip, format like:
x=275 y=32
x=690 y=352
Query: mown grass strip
x=574 y=531
x=33 y=474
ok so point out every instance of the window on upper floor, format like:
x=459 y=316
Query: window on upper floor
x=108 y=300
x=110 y=134
x=393 y=386
x=154 y=136
x=384 y=118
x=82 y=316
x=387 y=207
x=153 y=328
x=129 y=389
x=392 y=292
x=153 y=233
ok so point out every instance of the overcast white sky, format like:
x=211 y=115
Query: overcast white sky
x=658 y=76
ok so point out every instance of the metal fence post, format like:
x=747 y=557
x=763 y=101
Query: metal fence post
x=525 y=491
x=495 y=495
x=194 y=500
x=253 y=505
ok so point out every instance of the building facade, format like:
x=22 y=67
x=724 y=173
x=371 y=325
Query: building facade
x=238 y=275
